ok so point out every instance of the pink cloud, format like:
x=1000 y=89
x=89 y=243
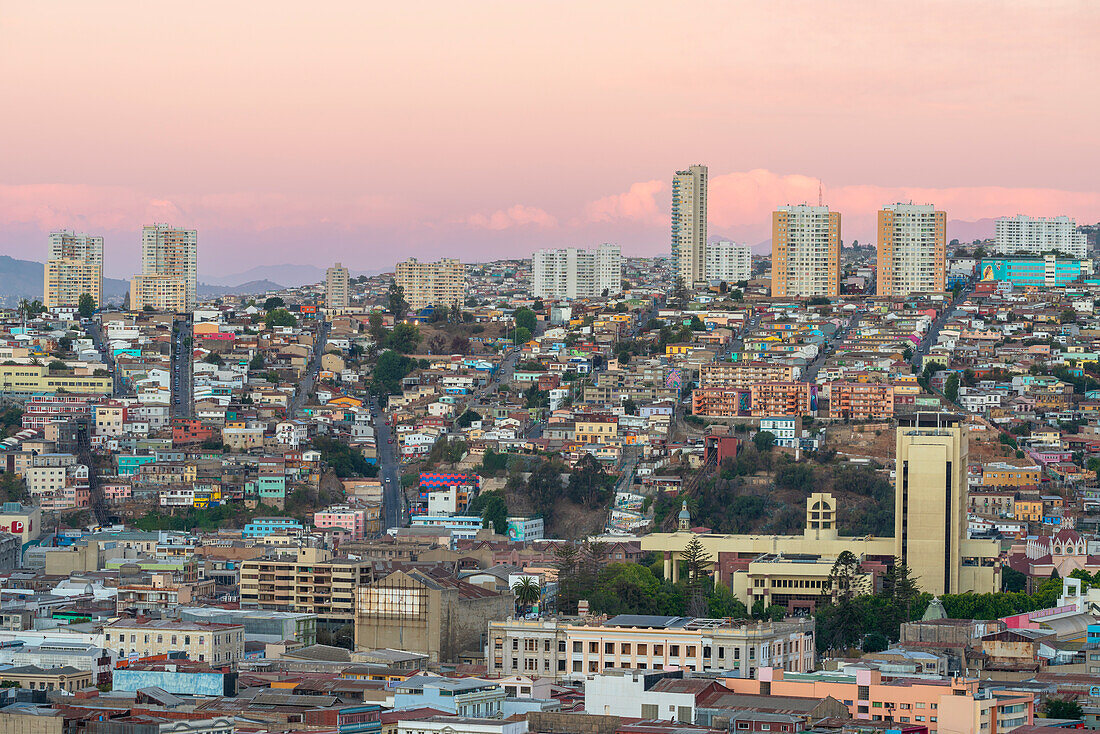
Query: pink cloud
x=639 y=204
x=517 y=215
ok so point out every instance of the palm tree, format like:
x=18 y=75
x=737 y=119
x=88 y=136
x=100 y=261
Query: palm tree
x=527 y=593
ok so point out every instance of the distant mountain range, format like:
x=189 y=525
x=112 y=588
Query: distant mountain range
x=21 y=279
x=291 y=276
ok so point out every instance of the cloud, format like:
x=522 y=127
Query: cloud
x=517 y=215
x=638 y=204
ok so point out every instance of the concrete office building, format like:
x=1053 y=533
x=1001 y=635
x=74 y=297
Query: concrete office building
x=432 y=284
x=689 y=224
x=169 y=269
x=310 y=583
x=912 y=249
x=1021 y=235
x=570 y=272
x=201 y=641
x=805 y=251
x=74 y=266
x=929 y=534
x=728 y=262
x=336 y=288
x=573 y=649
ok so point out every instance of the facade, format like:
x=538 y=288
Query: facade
x=310 y=583
x=728 y=262
x=260 y=527
x=200 y=641
x=805 y=251
x=34 y=678
x=169 y=269
x=458 y=696
x=571 y=273
x=74 y=266
x=336 y=288
x=432 y=284
x=861 y=400
x=912 y=249
x=571 y=649
x=350 y=519
x=742 y=375
x=780 y=399
x=689 y=224
x=36 y=379
x=1045 y=271
x=424 y=612
x=930 y=508
x=1021 y=235
x=954 y=702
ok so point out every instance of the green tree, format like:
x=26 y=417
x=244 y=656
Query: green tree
x=389 y=370
x=526 y=319
x=951 y=387
x=257 y=362
x=492 y=508
x=279 y=317
x=273 y=303
x=85 y=306
x=522 y=335
x=527 y=593
x=405 y=338
x=1062 y=708
x=764 y=441
x=679 y=294
x=395 y=301
x=697 y=562
x=630 y=407
x=467 y=418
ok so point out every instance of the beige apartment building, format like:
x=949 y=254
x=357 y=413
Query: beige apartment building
x=203 y=641
x=432 y=284
x=929 y=533
x=805 y=251
x=743 y=375
x=169 y=269
x=336 y=288
x=311 y=582
x=571 y=649
x=689 y=224
x=912 y=249
x=74 y=266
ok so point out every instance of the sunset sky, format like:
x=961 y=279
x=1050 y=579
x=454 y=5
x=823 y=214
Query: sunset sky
x=296 y=132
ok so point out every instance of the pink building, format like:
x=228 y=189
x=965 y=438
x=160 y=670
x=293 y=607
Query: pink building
x=953 y=702
x=346 y=518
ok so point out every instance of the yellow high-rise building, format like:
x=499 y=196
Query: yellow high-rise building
x=74 y=266
x=805 y=251
x=432 y=284
x=912 y=250
x=930 y=520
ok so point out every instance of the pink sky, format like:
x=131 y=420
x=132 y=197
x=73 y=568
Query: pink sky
x=365 y=132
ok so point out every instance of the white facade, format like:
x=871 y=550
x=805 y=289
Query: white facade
x=728 y=261
x=623 y=693
x=689 y=224
x=1036 y=235
x=570 y=272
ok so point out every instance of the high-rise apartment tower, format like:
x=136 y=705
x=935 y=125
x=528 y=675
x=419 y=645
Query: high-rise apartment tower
x=336 y=287
x=689 y=224
x=912 y=250
x=571 y=272
x=169 y=269
x=74 y=266
x=805 y=251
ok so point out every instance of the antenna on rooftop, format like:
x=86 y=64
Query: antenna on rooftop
x=819 y=196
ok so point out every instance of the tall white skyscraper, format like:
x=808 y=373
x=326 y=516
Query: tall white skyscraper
x=571 y=272
x=912 y=251
x=74 y=266
x=169 y=269
x=1036 y=235
x=728 y=261
x=689 y=224
x=336 y=287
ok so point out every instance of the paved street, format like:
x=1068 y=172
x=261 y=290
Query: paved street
x=305 y=385
x=181 y=369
